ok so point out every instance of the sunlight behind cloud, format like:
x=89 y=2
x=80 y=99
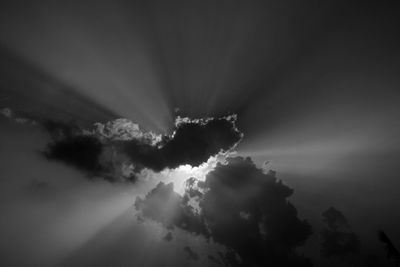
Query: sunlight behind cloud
x=180 y=175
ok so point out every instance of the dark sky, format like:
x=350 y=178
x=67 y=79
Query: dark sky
x=314 y=86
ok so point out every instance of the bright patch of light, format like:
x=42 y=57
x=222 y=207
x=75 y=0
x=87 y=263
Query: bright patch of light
x=181 y=174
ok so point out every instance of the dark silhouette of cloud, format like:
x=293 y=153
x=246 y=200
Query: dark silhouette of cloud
x=69 y=146
x=61 y=130
x=391 y=251
x=337 y=238
x=114 y=154
x=242 y=208
x=168 y=236
x=192 y=143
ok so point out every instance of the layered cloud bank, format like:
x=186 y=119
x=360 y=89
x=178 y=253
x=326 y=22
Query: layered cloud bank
x=120 y=149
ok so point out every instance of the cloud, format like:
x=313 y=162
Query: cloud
x=241 y=207
x=193 y=142
x=392 y=253
x=337 y=238
x=6 y=112
x=164 y=205
x=9 y=114
x=120 y=149
x=69 y=146
x=124 y=130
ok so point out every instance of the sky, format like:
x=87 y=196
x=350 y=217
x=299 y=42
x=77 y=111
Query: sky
x=104 y=104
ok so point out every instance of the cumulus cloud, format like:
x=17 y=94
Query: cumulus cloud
x=121 y=150
x=231 y=201
x=82 y=152
x=241 y=207
x=124 y=130
x=164 y=205
x=193 y=142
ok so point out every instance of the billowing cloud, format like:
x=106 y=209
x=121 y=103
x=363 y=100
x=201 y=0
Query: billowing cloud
x=120 y=149
x=164 y=205
x=240 y=207
x=124 y=130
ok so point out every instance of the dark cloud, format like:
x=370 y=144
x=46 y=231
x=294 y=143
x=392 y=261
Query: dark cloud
x=61 y=130
x=192 y=143
x=392 y=252
x=337 y=238
x=242 y=208
x=119 y=150
x=69 y=146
